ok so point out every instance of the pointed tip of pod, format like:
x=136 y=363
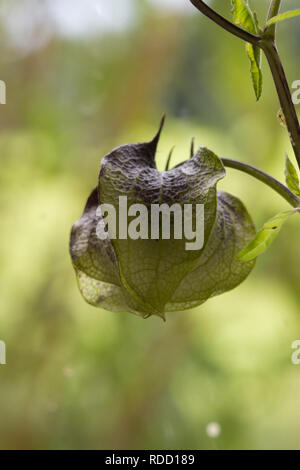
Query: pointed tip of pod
x=163 y=318
x=169 y=159
x=145 y=316
x=192 y=150
x=155 y=140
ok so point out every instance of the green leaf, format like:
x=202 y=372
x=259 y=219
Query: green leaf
x=254 y=54
x=283 y=16
x=265 y=237
x=291 y=177
x=151 y=277
x=243 y=16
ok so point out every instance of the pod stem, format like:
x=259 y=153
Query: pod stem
x=265 y=178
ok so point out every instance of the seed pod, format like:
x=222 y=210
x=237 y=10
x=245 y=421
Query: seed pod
x=155 y=276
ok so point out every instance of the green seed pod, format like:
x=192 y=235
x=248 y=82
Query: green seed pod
x=155 y=276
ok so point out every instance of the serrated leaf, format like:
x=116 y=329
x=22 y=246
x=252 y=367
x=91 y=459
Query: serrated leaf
x=265 y=237
x=243 y=16
x=149 y=277
x=283 y=16
x=291 y=177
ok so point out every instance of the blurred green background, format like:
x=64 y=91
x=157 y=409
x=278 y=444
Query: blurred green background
x=83 y=77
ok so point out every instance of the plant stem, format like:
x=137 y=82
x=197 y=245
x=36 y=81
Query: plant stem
x=265 y=178
x=225 y=24
x=284 y=94
x=273 y=11
x=268 y=44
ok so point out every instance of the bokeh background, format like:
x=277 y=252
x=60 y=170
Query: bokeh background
x=83 y=77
